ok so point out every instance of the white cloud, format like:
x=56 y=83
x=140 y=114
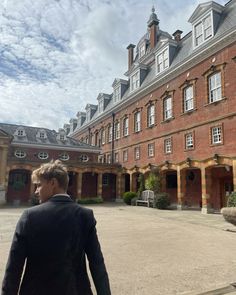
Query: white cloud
x=57 y=55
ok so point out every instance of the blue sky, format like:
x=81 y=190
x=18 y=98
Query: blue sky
x=57 y=55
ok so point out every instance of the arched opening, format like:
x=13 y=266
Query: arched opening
x=169 y=184
x=126 y=178
x=193 y=188
x=109 y=186
x=19 y=183
x=72 y=186
x=89 y=185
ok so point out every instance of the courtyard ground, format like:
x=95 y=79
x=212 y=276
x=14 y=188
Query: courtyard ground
x=150 y=252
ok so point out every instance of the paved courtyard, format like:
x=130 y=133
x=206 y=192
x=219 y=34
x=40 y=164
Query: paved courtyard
x=150 y=252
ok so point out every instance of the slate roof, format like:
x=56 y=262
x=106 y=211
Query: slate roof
x=31 y=137
x=184 y=50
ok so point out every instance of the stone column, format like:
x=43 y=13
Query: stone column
x=118 y=187
x=79 y=185
x=234 y=175
x=3 y=171
x=99 y=186
x=181 y=188
x=206 y=182
x=131 y=182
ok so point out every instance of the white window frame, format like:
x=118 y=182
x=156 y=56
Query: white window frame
x=216 y=135
x=62 y=137
x=189 y=144
x=162 y=60
x=126 y=126
x=137 y=153
x=151 y=148
x=84 y=158
x=20 y=154
x=142 y=49
x=135 y=81
x=116 y=157
x=125 y=155
x=110 y=133
x=168 y=108
x=168 y=145
x=117 y=130
x=109 y=158
x=43 y=155
x=200 y=30
x=117 y=94
x=215 y=91
x=20 y=132
x=100 y=105
x=151 y=115
x=188 y=98
x=64 y=156
x=103 y=136
x=137 y=121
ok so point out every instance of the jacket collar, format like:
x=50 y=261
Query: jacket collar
x=61 y=198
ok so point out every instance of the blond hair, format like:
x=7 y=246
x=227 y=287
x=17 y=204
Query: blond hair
x=53 y=169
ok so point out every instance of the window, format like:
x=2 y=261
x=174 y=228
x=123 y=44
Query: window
x=109 y=133
x=103 y=136
x=137 y=122
x=62 y=137
x=134 y=81
x=42 y=135
x=188 y=141
x=117 y=157
x=168 y=145
x=142 y=49
x=137 y=153
x=20 y=154
x=100 y=105
x=83 y=158
x=117 y=130
x=20 y=132
x=43 y=155
x=203 y=30
x=125 y=155
x=216 y=135
x=109 y=158
x=105 y=179
x=215 y=91
x=64 y=156
x=151 y=115
x=150 y=149
x=167 y=108
x=162 y=61
x=126 y=126
x=188 y=98
x=117 y=94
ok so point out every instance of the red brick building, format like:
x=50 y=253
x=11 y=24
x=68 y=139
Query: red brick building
x=176 y=111
x=24 y=148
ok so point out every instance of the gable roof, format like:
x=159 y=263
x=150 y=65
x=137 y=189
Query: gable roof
x=203 y=8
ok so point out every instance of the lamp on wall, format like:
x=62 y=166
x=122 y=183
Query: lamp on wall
x=216 y=158
x=188 y=162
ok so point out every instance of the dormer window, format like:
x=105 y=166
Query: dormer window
x=162 y=60
x=135 y=81
x=117 y=94
x=41 y=134
x=88 y=115
x=142 y=50
x=62 y=137
x=100 y=105
x=203 y=30
x=20 y=132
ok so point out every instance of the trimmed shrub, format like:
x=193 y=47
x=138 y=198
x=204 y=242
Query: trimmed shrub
x=232 y=200
x=86 y=201
x=128 y=196
x=161 y=201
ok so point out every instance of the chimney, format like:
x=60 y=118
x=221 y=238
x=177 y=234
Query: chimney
x=130 y=55
x=177 y=35
x=153 y=25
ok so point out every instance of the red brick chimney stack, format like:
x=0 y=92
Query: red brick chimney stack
x=130 y=48
x=177 y=35
x=153 y=25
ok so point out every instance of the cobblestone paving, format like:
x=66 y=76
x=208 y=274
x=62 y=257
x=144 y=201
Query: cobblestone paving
x=152 y=252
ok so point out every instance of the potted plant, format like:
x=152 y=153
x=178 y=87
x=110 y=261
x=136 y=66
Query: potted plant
x=229 y=212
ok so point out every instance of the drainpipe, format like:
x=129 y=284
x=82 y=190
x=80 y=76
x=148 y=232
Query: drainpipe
x=113 y=137
x=89 y=135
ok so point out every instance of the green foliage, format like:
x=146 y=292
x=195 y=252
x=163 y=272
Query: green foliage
x=86 y=201
x=161 y=200
x=153 y=182
x=133 y=201
x=18 y=185
x=128 y=196
x=141 y=184
x=232 y=200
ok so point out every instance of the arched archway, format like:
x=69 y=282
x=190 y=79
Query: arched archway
x=89 y=185
x=19 y=184
x=72 y=186
x=109 y=186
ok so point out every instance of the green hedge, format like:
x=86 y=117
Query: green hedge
x=161 y=201
x=86 y=201
x=232 y=200
x=128 y=196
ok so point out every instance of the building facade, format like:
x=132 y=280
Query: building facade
x=25 y=148
x=176 y=111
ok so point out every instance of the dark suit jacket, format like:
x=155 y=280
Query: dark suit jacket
x=54 y=238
